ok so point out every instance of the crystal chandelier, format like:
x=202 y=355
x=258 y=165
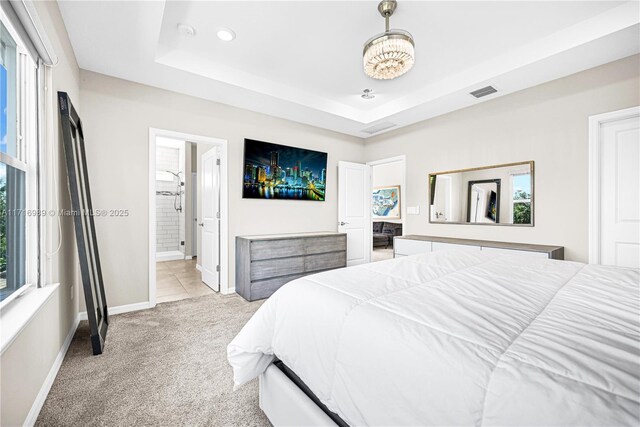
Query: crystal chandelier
x=390 y=54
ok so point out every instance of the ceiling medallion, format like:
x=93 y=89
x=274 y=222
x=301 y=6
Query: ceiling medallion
x=390 y=54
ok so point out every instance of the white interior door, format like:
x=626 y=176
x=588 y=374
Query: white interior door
x=620 y=193
x=210 y=222
x=354 y=210
x=442 y=200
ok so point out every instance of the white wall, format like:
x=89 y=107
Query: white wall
x=26 y=363
x=547 y=124
x=117 y=116
x=385 y=175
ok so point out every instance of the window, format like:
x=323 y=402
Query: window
x=521 y=198
x=17 y=139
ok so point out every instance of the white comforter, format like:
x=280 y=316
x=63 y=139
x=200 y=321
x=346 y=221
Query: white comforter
x=457 y=338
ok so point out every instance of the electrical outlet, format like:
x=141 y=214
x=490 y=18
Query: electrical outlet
x=71 y=292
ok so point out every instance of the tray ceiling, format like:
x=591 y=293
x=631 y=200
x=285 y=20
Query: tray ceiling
x=302 y=60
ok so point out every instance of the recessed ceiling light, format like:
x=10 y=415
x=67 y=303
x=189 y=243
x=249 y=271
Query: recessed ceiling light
x=186 y=30
x=367 y=94
x=226 y=34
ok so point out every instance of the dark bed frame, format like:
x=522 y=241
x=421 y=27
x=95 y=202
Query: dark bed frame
x=306 y=390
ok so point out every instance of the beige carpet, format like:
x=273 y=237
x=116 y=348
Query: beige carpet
x=161 y=367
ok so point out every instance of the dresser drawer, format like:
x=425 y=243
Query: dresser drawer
x=265 y=288
x=265 y=263
x=515 y=252
x=321 y=245
x=438 y=246
x=325 y=261
x=269 y=249
x=411 y=247
x=276 y=267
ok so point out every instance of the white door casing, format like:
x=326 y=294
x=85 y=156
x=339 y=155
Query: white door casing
x=210 y=219
x=225 y=286
x=194 y=214
x=354 y=210
x=615 y=189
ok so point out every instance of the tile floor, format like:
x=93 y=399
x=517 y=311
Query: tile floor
x=176 y=280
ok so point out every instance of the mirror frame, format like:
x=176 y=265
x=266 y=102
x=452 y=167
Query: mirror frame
x=430 y=194
x=83 y=221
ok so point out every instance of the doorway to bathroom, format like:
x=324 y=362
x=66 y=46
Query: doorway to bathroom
x=187 y=216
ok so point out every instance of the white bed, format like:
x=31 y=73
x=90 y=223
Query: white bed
x=457 y=338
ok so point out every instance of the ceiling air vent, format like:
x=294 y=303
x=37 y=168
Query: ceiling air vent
x=379 y=127
x=484 y=91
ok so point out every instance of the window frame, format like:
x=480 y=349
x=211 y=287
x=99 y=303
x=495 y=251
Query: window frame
x=26 y=159
x=512 y=176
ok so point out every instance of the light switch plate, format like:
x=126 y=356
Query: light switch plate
x=413 y=210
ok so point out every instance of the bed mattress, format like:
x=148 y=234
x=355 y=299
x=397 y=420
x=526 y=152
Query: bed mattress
x=457 y=338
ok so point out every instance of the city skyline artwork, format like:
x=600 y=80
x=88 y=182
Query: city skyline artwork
x=274 y=171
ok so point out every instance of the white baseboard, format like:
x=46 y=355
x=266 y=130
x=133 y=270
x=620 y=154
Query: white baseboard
x=198 y=267
x=32 y=416
x=169 y=256
x=121 y=309
x=188 y=257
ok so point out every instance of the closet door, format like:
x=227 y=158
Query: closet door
x=620 y=192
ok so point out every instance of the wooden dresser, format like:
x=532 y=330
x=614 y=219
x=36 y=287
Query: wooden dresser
x=265 y=263
x=415 y=244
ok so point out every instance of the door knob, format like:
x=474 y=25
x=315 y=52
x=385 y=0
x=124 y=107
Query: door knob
x=343 y=223
x=201 y=224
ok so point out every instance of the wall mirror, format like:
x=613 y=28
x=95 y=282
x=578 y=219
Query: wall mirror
x=83 y=221
x=491 y=195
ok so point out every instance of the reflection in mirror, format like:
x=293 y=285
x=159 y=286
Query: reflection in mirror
x=483 y=204
x=501 y=195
